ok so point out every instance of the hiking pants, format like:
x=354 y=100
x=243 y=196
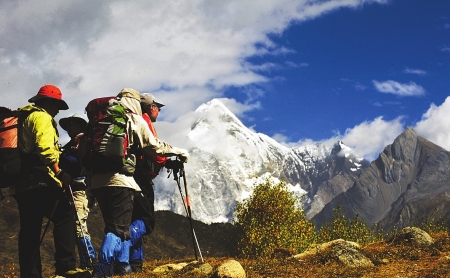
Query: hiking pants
x=143 y=207
x=116 y=205
x=33 y=205
x=81 y=203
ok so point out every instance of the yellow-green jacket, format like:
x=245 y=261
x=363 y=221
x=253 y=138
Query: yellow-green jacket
x=38 y=141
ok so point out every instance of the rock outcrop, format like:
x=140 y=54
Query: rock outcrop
x=346 y=252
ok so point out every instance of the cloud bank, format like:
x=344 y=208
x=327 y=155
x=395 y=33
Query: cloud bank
x=184 y=52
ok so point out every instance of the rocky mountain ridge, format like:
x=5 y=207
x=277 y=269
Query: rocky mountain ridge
x=406 y=184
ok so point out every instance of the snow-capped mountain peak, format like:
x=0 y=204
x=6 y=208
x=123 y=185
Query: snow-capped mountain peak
x=227 y=159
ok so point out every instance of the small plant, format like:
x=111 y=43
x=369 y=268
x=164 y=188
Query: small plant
x=9 y=271
x=433 y=224
x=271 y=218
x=348 y=229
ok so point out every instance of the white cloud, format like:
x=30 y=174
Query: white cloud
x=294 y=65
x=369 y=138
x=359 y=87
x=283 y=139
x=238 y=108
x=400 y=89
x=435 y=126
x=95 y=48
x=184 y=52
x=445 y=49
x=415 y=71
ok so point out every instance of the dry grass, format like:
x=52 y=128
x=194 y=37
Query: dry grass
x=389 y=260
x=171 y=242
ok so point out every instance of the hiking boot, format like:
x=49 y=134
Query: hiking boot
x=102 y=270
x=88 y=265
x=74 y=273
x=87 y=253
x=122 y=269
x=136 y=267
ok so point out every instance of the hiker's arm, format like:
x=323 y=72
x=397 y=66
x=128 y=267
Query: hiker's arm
x=152 y=145
x=42 y=135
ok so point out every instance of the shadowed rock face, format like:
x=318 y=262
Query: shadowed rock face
x=335 y=175
x=405 y=184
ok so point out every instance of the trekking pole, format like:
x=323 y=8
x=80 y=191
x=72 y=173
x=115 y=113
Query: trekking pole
x=188 y=203
x=78 y=222
x=187 y=208
x=48 y=222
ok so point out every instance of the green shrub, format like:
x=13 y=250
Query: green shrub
x=433 y=223
x=271 y=218
x=347 y=229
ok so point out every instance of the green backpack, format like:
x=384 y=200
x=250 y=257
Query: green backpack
x=107 y=137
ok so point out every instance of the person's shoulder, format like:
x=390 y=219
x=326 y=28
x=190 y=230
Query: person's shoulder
x=40 y=115
x=137 y=119
x=35 y=112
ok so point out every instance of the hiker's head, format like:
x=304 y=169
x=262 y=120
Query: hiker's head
x=74 y=124
x=49 y=97
x=150 y=106
x=130 y=99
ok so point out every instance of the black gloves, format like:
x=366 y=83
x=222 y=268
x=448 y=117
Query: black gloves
x=173 y=164
x=65 y=178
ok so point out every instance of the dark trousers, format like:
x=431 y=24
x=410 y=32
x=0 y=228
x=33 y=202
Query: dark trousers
x=33 y=206
x=116 y=205
x=143 y=208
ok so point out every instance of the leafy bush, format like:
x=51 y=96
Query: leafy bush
x=433 y=223
x=347 y=229
x=271 y=218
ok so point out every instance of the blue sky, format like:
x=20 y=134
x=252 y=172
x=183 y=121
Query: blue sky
x=300 y=71
x=332 y=78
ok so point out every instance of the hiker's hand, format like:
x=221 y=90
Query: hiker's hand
x=173 y=164
x=182 y=154
x=91 y=201
x=64 y=178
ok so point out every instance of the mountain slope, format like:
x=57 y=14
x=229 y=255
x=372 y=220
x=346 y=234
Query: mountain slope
x=407 y=182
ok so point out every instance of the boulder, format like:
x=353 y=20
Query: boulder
x=230 y=269
x=412 y=236
x=346 y=252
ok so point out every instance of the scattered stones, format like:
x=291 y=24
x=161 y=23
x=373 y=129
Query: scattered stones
x=167 y=268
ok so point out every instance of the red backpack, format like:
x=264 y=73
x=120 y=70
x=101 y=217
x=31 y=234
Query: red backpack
x=10 y=157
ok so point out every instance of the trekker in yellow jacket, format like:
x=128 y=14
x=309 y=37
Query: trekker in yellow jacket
x=39 y=193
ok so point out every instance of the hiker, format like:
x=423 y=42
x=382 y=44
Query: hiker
x=70 y=161
x=39 y=191
x=147 y=168
x=115 y=190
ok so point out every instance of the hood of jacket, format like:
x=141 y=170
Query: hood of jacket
x=132 y=104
